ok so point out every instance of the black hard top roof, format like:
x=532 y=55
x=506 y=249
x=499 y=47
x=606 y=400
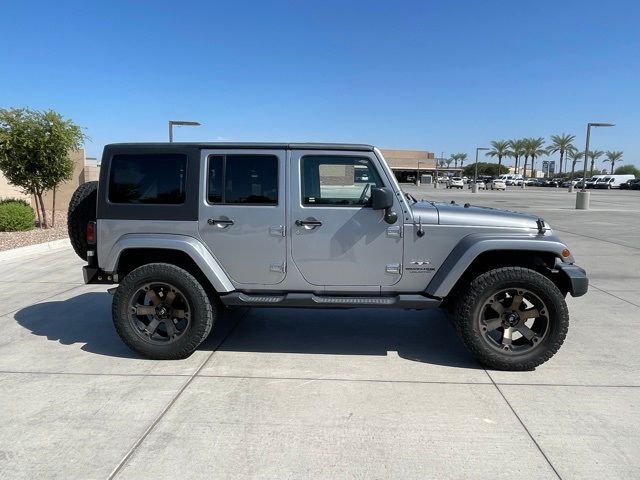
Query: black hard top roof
x=248 y=145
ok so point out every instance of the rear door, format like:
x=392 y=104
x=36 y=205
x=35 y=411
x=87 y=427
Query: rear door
x=242 y=214
x=337 y=238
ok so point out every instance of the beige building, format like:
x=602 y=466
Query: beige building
x=84 y=170
x=405 y=164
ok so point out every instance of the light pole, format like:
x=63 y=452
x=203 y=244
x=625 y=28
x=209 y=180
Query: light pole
x=180 y=123
x=418 y=175
x=474 y=189
x=435 y=185
x=582 y=197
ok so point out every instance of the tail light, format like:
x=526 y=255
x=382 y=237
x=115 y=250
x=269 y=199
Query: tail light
x=91 y=233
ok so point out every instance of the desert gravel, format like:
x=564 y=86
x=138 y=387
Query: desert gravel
x=9 y=240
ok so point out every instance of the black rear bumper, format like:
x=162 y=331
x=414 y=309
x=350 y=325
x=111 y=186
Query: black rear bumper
x=575 y=279
x=94 y=275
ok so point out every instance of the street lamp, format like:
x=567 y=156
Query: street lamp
x=475 y=175
x=180 y=123
x=582 y=197
x=435 y=185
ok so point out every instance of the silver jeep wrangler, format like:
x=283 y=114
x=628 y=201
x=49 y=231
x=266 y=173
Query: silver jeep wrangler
x=187 y=229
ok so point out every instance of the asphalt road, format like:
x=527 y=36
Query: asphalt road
x=327 y=394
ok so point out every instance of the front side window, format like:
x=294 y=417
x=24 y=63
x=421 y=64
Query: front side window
x=337 y=180
x=243 y=179
x=148 y=179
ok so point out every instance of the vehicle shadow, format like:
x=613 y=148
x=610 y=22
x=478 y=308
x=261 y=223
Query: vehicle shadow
x=421 y=336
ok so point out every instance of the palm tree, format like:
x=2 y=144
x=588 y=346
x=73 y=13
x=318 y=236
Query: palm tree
x=462 y=157
x=500 y=149
x=454 y=158
x=594 y=155
x=448 y=162
x=574 y=155
x=516 y=151
x=533 y=148
x=561 y=143
x=613 y=157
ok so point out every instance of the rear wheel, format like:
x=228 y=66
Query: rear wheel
x=162 y=312
x=512 y=318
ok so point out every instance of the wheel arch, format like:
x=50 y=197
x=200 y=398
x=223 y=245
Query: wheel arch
x=478 y=253
x=134 y=250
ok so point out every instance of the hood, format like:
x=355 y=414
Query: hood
x=470 y=215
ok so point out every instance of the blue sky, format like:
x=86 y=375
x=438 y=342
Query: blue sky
x=443 y=76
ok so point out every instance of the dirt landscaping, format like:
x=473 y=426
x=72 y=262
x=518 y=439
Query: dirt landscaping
x=9 y=240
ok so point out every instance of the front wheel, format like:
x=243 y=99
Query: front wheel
x=512 y=318
x=162 y=312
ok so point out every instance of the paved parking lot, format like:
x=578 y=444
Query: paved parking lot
x=327 y=394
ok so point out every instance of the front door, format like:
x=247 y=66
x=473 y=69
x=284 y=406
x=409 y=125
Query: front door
x=337 y=238
x=242 y=215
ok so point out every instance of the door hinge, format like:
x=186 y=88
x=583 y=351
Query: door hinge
x=278 y=267
x=393 y=268
x=278 y=231
x=394 y=231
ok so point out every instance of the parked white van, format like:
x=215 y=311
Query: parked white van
x=612 y=181
x=512 y=179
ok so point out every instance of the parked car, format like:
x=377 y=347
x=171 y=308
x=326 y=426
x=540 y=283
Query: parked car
x=574 y=182
x=555 y=182
x=498 y=184
x=635 y=185
x=167 y=225
x=612 y=181
x=481 y=184
x=455 y=182
x=628 y=184
x=531 y=182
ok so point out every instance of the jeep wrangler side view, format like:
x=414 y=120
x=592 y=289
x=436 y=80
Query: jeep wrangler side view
x=186 y=229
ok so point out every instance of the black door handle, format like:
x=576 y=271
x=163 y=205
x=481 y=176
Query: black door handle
x=308 y=223
x=220 y=222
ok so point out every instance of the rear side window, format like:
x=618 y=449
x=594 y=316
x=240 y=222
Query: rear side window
x=243 y=179
x=148 y=179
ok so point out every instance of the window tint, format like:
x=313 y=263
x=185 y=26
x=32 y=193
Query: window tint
x=337 y=181
x=149 y=179
x=243 y=179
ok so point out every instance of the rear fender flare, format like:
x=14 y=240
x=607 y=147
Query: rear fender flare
x=191 y=246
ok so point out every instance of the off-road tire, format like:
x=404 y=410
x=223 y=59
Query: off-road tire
x=203 y=311
x=469 y=303
x=82 y=209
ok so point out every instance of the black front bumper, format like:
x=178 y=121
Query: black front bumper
x=575 y=279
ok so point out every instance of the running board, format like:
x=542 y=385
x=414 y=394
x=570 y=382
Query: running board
x=310 y=300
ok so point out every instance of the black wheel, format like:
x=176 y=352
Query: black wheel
x=512 y=318
x=162 y=312
x=82 y=210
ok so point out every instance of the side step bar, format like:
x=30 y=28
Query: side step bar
x=310 y=300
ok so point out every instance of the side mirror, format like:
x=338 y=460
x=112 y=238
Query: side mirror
x=382 y=199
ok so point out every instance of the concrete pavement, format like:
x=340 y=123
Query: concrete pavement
x=326 y=394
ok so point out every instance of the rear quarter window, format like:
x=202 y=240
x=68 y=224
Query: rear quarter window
x=156 y=179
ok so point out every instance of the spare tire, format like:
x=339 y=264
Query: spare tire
x=82 y=210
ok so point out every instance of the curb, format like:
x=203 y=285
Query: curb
x=32 y=249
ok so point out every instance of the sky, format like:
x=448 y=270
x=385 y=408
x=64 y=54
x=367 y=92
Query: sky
x=445 y=76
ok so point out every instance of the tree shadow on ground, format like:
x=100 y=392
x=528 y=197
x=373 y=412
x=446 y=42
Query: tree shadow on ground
x=421 y=336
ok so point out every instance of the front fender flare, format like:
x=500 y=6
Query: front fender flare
x=189 y=245
x=468 y=249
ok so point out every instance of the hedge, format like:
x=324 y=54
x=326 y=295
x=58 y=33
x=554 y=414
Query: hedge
x=16 y=215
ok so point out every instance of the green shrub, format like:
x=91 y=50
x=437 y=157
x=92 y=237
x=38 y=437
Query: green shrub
x=16 y=215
